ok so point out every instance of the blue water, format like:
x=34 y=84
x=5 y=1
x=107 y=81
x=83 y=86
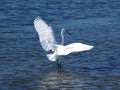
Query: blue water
x=23 y=62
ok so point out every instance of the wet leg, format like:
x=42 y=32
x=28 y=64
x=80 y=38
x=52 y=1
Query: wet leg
x=59 y=62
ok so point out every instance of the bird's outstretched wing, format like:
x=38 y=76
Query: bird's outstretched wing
x=46 y=36
x=74 y=47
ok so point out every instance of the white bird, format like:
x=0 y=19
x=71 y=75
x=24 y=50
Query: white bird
x=48 y=42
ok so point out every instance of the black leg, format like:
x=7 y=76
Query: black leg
x=59 y=63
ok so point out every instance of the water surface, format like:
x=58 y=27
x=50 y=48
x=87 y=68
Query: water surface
x=23 y=62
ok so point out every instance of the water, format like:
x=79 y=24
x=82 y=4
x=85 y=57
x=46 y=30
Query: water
x=23 y=62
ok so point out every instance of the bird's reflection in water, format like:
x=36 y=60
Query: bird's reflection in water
x=54 y=79
x=60 y=76
x=59 y=80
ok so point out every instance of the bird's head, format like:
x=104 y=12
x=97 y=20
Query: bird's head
x=64 y=30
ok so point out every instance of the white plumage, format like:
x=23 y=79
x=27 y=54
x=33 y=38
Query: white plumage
x=48 y=41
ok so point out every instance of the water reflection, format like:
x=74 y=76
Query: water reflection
x=59 y=80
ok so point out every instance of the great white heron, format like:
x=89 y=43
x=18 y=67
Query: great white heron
x=48 y=42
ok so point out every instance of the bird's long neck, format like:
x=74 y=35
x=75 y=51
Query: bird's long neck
x=62 y=41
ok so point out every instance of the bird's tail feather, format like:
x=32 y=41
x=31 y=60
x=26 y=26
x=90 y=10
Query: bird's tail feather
x=51 y=57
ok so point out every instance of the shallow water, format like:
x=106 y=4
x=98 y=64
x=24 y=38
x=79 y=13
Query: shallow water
x=23 y=62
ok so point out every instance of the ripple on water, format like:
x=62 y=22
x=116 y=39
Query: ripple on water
x=23 y=62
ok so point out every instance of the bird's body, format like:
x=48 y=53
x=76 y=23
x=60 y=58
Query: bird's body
x=48 y=41
x=65 y=50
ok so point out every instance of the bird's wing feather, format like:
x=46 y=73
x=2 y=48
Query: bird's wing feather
x=46 y=35
x=75 y=47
